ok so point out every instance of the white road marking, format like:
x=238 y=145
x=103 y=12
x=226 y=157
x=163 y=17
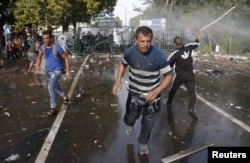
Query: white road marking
x=227 y=115
x=193 y=150
x=41 y=158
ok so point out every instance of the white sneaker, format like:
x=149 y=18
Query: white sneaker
x=144 y=149
x=129 y=130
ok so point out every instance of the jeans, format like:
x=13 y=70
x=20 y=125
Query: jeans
x=54 y=87
x=135 y=107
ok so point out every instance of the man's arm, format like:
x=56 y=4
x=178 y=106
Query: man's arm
x=67 y=64
x=166 y=82
x=118 y=84
x=197 y=37
x=37 y=46
x=38 y=62
x=195 y=44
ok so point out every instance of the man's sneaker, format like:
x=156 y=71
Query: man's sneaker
x=129 y=130
x=192 y=113
x=144 y=149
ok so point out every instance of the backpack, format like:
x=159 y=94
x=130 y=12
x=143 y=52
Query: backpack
x=56 y=56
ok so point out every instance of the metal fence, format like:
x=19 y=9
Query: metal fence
x=103 y=40
x=84 y=41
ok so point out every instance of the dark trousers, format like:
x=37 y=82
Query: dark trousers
x=9 y=55
x=149 y=112
x=16 y=52
x=188 y=80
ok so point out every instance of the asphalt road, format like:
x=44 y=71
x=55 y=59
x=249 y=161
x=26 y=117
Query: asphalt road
x=90 y=128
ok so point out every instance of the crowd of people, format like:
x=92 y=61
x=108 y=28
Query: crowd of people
x=44 y=55
x=99 y=42
x=16 y=45
x=102 y=41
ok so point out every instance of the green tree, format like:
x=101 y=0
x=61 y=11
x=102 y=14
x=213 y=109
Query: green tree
x=84 y=10
x=6 y=11
x=58 y=12
x=38 y=12
x=25 y=13
x=119 y=21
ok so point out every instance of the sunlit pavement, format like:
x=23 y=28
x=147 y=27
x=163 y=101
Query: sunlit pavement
x=92 y=130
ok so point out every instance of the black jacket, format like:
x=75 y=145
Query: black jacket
x=182 y=59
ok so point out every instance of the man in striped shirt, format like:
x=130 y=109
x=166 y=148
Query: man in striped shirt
x=146 y=66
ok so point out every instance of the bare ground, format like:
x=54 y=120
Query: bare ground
x=239 y=66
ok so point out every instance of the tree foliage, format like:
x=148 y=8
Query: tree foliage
x=6 y=12
x=57 y=12
x=40 y=12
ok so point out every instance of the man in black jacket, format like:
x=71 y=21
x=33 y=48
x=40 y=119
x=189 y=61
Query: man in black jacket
x=182 y=59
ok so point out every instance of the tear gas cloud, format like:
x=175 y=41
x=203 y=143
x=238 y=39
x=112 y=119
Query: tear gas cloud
x=235 y=24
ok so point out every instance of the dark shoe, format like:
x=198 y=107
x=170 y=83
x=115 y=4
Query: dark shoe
x=65 y=100
x=51 y=112
x=192 y=113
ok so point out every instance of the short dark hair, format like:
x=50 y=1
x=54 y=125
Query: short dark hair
x=178 y=41
x=144 y=30
x=48 y=32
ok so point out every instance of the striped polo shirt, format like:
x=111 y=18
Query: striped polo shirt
x=145 y=70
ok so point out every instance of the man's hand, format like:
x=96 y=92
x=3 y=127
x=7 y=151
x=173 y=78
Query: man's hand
x=68 y=75
x=118 y=85
x=152 y=95
x=197 y=36
x=37 y=71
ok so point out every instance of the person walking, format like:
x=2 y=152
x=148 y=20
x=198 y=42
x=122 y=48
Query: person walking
x=182 y=59
x=54 y=56
x=17 y=45
x=9 y=51
x=146 y=66
x=7 y=31
x=33 y=51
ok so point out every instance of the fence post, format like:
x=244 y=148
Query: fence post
x=77 y=40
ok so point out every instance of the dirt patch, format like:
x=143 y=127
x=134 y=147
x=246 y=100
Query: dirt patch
x=236 y=65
